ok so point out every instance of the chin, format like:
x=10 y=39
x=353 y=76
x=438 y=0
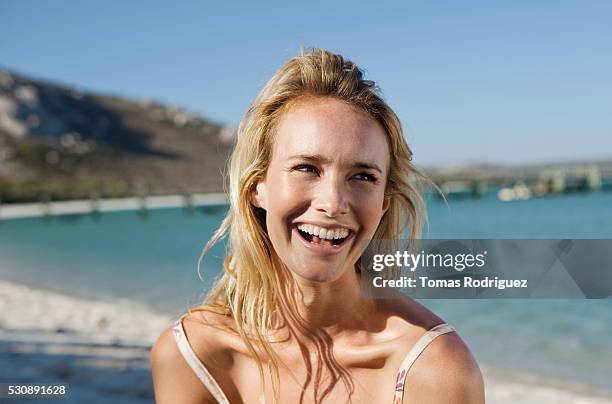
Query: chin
x=318 y=275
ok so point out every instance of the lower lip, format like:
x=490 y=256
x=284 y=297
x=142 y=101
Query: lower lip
x=322 y=249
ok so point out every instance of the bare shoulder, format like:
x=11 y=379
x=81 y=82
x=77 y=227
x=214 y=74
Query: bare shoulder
x=446 y=371
x=173 y=379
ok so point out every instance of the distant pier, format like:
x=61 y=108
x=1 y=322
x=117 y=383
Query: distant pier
x=98 y=206
x=533 y=183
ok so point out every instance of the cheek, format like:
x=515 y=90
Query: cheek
x=285 y=199
x=370 y=209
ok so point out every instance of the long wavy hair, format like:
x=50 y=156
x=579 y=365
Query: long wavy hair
x=253 y=288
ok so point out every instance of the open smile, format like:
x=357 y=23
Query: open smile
x=325 y=243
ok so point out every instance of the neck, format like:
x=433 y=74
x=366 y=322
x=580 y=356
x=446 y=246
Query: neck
x=336 y=307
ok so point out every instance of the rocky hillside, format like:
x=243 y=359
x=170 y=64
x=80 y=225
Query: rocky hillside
x=59 y=143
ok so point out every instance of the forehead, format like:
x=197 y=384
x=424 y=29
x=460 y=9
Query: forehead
x=333 y=129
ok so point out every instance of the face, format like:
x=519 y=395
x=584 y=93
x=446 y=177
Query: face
x=324 y=188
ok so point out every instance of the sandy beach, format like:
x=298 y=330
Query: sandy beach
x=101 y=349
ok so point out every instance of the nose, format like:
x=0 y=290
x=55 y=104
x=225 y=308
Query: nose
x=331 y=197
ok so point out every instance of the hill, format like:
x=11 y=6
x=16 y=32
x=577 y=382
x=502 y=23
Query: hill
x=60 y=143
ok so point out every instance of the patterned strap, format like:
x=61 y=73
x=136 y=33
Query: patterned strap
x=195 y=364
x=412 y=356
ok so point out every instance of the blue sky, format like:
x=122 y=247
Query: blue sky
x=473 y=81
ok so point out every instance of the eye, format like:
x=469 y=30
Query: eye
x=366 y=177
x=306 y=168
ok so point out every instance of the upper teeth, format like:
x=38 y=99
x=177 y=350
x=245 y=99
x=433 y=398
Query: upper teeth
x=322 y=232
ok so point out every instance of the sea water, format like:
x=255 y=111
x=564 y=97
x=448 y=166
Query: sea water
x=152 y=257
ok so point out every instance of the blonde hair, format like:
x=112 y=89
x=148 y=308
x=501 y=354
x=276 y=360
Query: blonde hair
x=251 y=288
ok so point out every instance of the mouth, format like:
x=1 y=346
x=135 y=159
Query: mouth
x=328 y=242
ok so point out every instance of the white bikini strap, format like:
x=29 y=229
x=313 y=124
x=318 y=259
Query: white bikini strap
x=195 y=364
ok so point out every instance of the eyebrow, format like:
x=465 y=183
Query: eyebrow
x=316 y=158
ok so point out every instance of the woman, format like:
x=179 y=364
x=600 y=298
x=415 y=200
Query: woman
x=320 y=166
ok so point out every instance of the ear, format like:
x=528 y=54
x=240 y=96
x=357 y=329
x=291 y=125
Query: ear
x=258 y=194
x=386 y=203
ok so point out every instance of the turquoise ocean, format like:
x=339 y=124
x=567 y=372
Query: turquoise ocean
x=152 y=258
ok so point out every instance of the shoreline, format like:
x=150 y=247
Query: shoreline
x=101 y=349
x=94 y=206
